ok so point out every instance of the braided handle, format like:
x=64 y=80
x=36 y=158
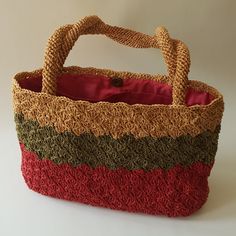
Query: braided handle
x=175 y=53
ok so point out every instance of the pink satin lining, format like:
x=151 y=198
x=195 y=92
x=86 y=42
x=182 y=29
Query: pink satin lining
x=95 y=88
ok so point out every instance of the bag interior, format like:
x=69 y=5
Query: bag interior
x=96 y=88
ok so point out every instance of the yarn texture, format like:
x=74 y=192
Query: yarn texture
x=147 y=158
x=128 y=152
x=177 y=192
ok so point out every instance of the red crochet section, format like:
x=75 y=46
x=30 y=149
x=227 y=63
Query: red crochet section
x=180 y=191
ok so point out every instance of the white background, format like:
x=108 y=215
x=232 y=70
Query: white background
x=206 y=26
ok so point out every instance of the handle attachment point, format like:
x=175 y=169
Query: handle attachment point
x=176 y=54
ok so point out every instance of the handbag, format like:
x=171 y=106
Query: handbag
x=127 y=141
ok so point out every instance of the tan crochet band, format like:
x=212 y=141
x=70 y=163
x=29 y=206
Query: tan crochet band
x=117 y=119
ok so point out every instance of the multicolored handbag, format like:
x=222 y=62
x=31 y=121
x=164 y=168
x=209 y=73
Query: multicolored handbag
x=126 y=141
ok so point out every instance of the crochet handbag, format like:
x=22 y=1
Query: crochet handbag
x=127 y=141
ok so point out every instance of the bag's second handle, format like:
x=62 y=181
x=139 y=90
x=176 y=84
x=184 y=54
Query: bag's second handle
x=176 y=54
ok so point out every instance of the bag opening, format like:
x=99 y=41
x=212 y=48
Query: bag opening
x=96 y=88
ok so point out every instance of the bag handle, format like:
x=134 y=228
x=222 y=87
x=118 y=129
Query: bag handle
x=176 y=54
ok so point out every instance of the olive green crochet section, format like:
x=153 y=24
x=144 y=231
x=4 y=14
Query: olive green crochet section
x=128 y=152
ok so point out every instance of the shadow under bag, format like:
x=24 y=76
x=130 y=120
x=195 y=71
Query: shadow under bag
x=122 y=140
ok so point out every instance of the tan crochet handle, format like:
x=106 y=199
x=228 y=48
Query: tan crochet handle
x=176 y=54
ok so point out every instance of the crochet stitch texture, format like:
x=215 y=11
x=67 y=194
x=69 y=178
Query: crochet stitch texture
x=149 y=158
